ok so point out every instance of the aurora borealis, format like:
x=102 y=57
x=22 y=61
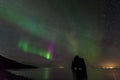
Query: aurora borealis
x=58 y=29
x=25 y=46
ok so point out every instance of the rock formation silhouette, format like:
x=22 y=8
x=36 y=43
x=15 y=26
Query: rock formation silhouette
x=79 y=68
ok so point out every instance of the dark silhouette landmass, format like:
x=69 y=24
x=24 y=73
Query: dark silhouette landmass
x=79 y=68
x=6 y=63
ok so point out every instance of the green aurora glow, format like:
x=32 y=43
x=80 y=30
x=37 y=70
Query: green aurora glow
x=28 y=24
x=86 y=47
x=81 y=45
x=25 y=46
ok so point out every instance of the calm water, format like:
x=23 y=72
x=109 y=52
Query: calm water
x=66 y=74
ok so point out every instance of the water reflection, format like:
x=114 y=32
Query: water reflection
x=79 y=76
x=46 y=73
x=95 y=74
x=67 y=74
x=34 y=74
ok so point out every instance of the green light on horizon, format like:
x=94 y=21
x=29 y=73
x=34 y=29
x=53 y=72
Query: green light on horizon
x=48 y=56
x=25 y=46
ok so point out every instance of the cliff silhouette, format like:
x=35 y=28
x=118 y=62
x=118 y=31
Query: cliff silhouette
x=6 y=63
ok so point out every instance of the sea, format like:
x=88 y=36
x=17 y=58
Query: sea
x=62 y=73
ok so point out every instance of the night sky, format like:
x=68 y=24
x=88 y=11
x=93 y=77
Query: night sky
x=45 y=31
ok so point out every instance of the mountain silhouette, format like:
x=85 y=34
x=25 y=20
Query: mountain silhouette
x=6 y=63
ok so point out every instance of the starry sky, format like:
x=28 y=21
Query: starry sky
x=45 y=31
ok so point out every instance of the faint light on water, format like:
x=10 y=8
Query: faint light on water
x=61 y=67
x=109 y=66
x=46 y=73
